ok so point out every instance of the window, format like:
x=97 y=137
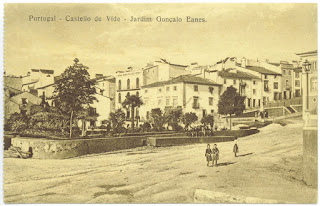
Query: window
x=119 y=84
x=224 y=81
x=212 y=111
x=287 y=83
x=24 y=100
x=119 y=97
x=148 y=115
x=210 y=101
x=211 y=89
x=128 y=94
x=284 y=72
x=175 y=88
x=254 y=103
x=101 y=91
x=297 y=74
x=314 y=84
x=297 y=83
x=160 y=90
x=128 y=84
x=168 y=89
x=195 y=87
x=234 y=82
x=289 y=72
x=275 y=85
x=254 y=91
x=167 y=101
x=175 y=101
x=254 y=82
x=137 y=83
x=266 y=76
x=249 y=102
x=23 y=112
x=195 y=104
x=266 y=86
x=145 y=91
x=137 y=94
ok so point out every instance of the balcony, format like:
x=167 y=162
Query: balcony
x=195 y=105
x=243 y=84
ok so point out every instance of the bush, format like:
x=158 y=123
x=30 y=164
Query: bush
x=177 y=127
x=146 y=127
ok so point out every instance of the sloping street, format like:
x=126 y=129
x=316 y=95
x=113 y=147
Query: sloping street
x=269 y=166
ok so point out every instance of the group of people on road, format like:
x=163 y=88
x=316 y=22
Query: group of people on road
x=212 y=155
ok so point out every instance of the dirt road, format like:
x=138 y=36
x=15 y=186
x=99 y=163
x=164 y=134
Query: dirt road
x=269 y=166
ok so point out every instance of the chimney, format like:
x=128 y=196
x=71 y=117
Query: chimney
x=243 y=62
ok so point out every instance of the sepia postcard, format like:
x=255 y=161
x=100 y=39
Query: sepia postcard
x=160 y=103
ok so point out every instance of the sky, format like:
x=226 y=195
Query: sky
x=264 y=31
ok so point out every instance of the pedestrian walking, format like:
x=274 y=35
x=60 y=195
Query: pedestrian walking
x=208 y=154
x=215 y=154
x=235 y=147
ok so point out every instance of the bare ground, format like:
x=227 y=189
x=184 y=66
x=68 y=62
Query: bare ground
x=269 y=166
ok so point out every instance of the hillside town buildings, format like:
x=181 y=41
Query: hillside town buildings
x=165 y=85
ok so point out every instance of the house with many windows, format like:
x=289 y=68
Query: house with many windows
x=188 y=92
x=128 y=82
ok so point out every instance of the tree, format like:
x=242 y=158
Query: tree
x=131 y=102
x=117 y=120
x=174 y=117
x=158 y=118
x=74 y=91
x=230 y=103
x=208 y=120
x=189 y=118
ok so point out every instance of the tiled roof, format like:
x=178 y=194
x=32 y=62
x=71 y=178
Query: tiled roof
x=287 y=66
x=48 y=85
x=191 y=79
x=30 y=83
x=45 y=71
x=237 y=75
x=261 y=70
x=274 y=64
x=103 y=77
x=309 y=52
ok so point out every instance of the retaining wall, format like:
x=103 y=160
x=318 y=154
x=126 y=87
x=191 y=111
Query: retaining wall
x=62 y=149
x=162 y=142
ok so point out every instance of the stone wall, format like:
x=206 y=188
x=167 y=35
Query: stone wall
x=162 y=142
x=61 y=149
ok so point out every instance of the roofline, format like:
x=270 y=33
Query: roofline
x=30 y=83
x=308 y=53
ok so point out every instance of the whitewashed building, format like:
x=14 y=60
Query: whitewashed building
x=188 y=92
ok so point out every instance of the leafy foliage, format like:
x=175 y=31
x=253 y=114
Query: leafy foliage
x=189 y=118
x=131 y=102
x=208 y=120
x=231 y=102
x=158 y=119
x=117 y=120
x=74 y=91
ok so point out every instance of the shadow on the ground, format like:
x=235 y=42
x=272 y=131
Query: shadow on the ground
x=225 y=163
x=245 y=154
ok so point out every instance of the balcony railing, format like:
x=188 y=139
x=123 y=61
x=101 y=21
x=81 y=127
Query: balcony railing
x=195 y=106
